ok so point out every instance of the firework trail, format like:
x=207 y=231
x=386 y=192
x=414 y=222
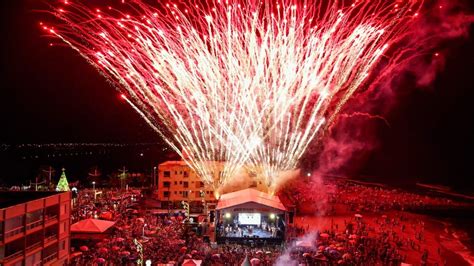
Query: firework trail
x=248 y=83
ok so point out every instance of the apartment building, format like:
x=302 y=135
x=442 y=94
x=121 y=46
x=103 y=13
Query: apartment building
x=34 y=228
x=178 y=182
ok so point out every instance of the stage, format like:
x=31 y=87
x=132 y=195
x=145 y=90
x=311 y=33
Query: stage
x=250 y=216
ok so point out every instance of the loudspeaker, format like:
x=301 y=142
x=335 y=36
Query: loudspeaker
x=212 y=215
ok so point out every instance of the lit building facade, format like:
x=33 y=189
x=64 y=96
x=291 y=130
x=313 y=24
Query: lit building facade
x=178 y=182
x=34 y=228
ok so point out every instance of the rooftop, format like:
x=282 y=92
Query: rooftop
x=183 y=163
x=249 y=195
x=12 y=198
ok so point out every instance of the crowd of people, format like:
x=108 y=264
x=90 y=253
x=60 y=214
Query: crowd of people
x=353 y=196
x=165 y=239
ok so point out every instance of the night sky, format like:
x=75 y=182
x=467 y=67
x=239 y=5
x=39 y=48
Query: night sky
x=51 y=95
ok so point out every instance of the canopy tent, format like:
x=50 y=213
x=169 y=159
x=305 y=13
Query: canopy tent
x=91 y=226
x=247 y=196
x=191 y=262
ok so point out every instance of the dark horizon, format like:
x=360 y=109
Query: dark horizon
x=52 y=95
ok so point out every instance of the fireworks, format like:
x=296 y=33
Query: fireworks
x=249 y=83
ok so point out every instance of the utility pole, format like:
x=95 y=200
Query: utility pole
x=94 y=174
x=50 y=172
x=36 y=183
x=123 y=176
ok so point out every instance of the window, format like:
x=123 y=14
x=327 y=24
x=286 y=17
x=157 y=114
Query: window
x=166 y=174
x=180 y=182
x=185 y=174
x=201 y=184
x=185 y=184
x=14 y=226
x=34 y=219
x=62 y=245
x=34 y=259
x=166 y=184
x=166 y=194
x=175 y=182
x=63 y=209
x=185 y=194
x=175 y=172
x=63 y=228
x=176 y=192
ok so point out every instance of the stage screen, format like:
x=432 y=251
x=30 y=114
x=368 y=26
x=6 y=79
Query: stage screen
x=249 y=218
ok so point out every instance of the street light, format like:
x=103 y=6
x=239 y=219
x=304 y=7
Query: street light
x=143 y=230
x=148 y=262
x=93 y=187
x=154 y=177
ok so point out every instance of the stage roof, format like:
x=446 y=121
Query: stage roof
x=91 y=226
x=249 y=195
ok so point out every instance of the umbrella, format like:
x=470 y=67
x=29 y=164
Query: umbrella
x=142 y=220
x=100 y=260
x=357 y=215
x=183 y=249
x=255 y=261
x=75 y=254
x=306 y=254
x=100 y=244
x=353 y=236
x=103 y=250
x=188 y=256
x=119 y=239
x=125 y=253
x=84 y=248
x=347 y=256
x=321 y=248
x=384 y=216
x=305 y=244
x=268 y=252
x=259 y=252
x=320 y=256
x=324 y=235
x=216 y=256
x=115 y=248
x=194 y=252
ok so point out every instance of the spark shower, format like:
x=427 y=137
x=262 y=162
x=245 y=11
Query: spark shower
x=240 y=84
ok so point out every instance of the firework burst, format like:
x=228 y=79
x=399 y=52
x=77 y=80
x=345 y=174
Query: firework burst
x=248 y=83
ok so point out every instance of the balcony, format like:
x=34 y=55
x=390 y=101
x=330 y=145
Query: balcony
x=50 y=219
x=50 y=238
x=34 y=246
x=14 y=231
x=50 y=258
x=34 y=224
x=14 y=255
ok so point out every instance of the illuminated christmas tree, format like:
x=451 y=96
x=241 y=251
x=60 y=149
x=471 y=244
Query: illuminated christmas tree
x=63 y=185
